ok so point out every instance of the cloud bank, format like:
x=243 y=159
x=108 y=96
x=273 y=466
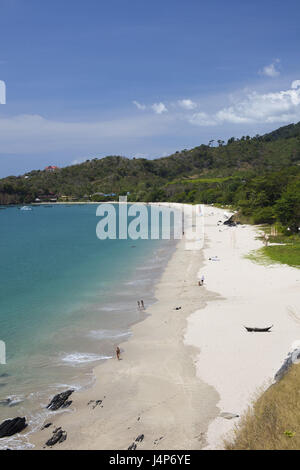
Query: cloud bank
x=281 y=107
x=177 y=120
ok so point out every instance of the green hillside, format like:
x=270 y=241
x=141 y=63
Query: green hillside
x=259 y=175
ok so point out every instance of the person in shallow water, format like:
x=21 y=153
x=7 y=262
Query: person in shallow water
x=118 y=352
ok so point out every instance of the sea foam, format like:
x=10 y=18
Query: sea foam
x=82 y=358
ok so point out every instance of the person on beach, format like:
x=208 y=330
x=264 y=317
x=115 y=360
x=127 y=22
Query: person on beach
x=266 y=239
x=139 y=305
x=142 y=304
x=118 y=352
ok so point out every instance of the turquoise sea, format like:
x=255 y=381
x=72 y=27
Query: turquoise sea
x=66 y=300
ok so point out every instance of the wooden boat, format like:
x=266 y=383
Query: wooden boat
x=258 y=330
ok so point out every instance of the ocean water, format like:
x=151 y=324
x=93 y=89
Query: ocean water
x=66 y=300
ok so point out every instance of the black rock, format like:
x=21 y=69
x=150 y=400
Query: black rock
x=132 y=446
x=230 y=222
x=58 y=436
x=12 y=426
x=47 y=425
x=60 y=401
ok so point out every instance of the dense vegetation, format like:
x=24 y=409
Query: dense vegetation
x=260 y=176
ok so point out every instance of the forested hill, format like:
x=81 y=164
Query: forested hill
x=250 y=173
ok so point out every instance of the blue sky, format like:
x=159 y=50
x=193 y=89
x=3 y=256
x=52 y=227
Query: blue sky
x=138 y=78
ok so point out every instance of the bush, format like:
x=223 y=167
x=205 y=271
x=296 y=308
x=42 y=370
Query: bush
x=265 y=215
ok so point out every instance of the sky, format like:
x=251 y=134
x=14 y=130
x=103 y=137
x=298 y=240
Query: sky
x=138 y=78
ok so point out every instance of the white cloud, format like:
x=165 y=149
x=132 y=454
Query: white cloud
x=271 y=70
x=295 y=84
x=159 y=108
x=139 y=105
x=202 y=119
x=34 y=133
x=187 y=104
x=282 y=107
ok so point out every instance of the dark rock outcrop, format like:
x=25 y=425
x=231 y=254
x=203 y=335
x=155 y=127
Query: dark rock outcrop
x=47 y=425
x=60 y=400
x=58 y=436
x=133 y=446
x=12 y=426
x=231 y=221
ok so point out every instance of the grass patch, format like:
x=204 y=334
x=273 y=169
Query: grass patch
x=200 y=180
x=273 y=423
x=259 y=257
x=286 y=253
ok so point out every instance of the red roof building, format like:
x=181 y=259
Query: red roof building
x=51 y=168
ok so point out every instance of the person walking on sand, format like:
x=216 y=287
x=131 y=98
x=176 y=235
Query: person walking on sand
x=142 y=304
x=139 y=305
x=118 y=352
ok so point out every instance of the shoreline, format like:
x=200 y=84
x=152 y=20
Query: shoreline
x=154 y=389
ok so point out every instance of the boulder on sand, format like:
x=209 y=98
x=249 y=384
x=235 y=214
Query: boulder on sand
x=12 y=426
x=60 y=400
x=58 y=436
x=231 y=222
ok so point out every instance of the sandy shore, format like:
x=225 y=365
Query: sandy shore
x=154 y=389
x=182 y=368
x=236 y=363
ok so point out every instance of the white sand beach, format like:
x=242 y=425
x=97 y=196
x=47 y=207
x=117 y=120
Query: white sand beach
x=236 y=363
x=182 y=368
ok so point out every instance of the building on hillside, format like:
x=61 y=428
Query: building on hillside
x=51 y=168
x=47 y=198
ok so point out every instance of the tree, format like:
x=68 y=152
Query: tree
x=287 y=208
